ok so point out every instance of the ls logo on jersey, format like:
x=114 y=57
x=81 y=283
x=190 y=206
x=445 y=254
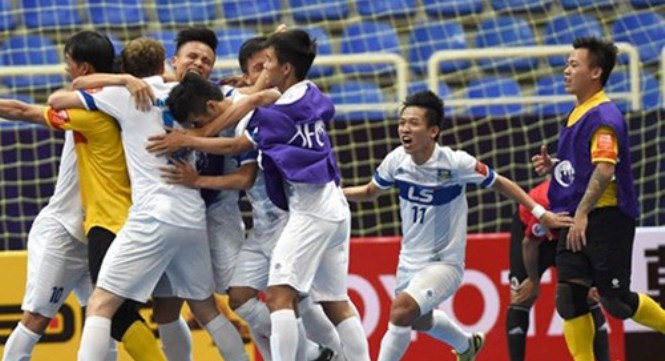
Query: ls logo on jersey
x=564 y=173
x=311 y=135
x=420 y=195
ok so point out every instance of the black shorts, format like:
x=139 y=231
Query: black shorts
x=605 y=261
x=546 y=254
x=99 y=241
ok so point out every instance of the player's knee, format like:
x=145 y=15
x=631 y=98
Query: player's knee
x=280 y=297
x=238 y=296
x=404 y=310
x=571 y=300
x=35 y=322
x=621 y=306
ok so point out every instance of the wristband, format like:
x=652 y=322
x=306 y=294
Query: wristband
x=538 y=211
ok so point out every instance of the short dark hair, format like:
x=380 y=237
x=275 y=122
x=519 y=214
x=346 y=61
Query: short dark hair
x=190 y=97
x=432 y=104
x=295 y=47
x=143 y=57
x=93 y=48
x=200 y=34
x=602 y=54
x=249 y=48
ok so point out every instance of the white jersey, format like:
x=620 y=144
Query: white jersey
x=433 y=203
x=172 y=204
x=65 y=203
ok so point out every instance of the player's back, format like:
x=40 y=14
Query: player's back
x=150 y=193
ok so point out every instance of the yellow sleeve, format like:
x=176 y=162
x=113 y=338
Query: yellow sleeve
x=604 y=146
x=72 y=119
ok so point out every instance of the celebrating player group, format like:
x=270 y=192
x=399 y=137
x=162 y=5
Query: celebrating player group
x=146 y=207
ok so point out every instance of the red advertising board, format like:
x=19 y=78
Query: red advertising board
x=479 y=304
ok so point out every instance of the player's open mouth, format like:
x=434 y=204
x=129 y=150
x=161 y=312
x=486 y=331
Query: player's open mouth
x=194 y=70
x=406 y=140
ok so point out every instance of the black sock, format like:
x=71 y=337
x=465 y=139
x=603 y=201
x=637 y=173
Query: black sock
x=601 y=345
x=517 y=325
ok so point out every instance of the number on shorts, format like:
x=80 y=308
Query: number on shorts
x=56 y=295
x=418 y=214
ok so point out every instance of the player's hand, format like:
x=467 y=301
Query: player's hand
x=527 y=292
x=181 y=172
x=576 y=238
x=556 y=220
x=141 y=92
x=167 y=143
x=236 y=81
x=542 y=162
x=593 y=294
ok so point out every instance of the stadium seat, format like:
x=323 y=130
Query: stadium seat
x=452 y=8
x=117 y=44
x=323 y=48
x=308 y=11
x=50 y=13
x=30 y=50
x=619 y=82
x=117 y=13
x=6 y=18
x=230 y=41
x=505 y=32
x=564 y=29
x=532 y=6
x=185 y=12
x=357 y=92
x=386 y=8
x=167 y=38
x=587 y=4
x=494 y=87
x=444 y=92
x=552 y=85
x=425 y=39
x=645 y=29
x=251 y=12
x=643 y=4
x=369 y=37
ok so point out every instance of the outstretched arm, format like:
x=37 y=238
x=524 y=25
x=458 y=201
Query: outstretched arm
x=548 y=219
x=176 y=140
x=184 y=174
x=363 y=193
x=17 y=110
x=65 y=99
x=140 y=90
x=238 y=110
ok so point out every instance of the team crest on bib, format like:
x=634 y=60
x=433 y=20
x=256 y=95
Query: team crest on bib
x=564 y=173
x=443 y=175
x=538 y=230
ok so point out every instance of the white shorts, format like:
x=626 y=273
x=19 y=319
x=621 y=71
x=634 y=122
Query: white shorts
x=226 y=233
x=431 y=284
x=147 y=251
x=253 y=262
x=312 y=256
x=57 y=264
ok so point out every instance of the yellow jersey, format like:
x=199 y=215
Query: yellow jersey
x=105 y=187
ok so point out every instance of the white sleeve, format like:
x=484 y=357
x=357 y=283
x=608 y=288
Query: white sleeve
x=472 y=170
x=113 y=100
x=384 y=176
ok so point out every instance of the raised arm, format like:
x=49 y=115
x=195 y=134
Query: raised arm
x=363 y=193
x=236 y=111
x=17 y=110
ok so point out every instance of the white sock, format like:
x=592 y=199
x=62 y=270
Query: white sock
x=284 y=337
x=354 y=340
x=20 y=343
x=112 y=355
x=96 y=338
x=444 y=329
x=318 y=326
x=307 y=350
x=228 y=340
x=257 y=316
x=176 y=340
x=394 y=342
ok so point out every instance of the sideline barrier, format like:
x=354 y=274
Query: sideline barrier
x=479 y=304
